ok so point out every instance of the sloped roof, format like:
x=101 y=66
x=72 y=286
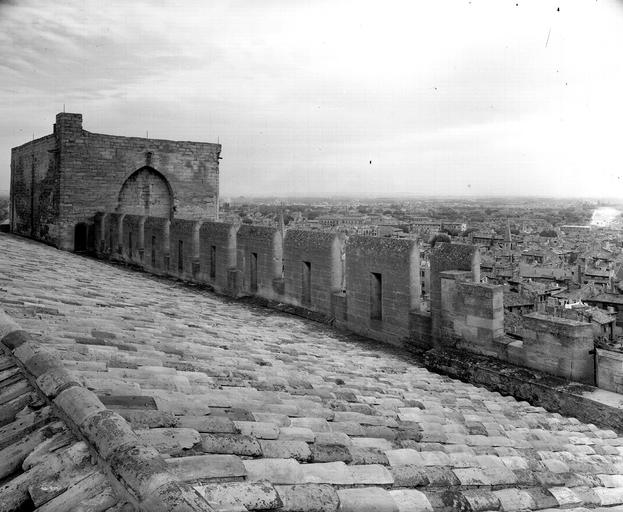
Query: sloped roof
x=612 y=298
x=263 y=410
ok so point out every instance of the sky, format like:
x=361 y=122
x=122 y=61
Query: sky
x=325 y=98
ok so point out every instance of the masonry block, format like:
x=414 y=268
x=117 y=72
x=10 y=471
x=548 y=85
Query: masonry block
x=559 y=346
x=382 y=286
x=445 y=257
x=184 y=248
x=157 y=244
x=313 y=268
x=259 y=258
x=217 y=254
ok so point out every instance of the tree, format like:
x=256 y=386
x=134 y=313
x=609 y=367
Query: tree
x=439 y=237
x=550 y=233
x=451 y=232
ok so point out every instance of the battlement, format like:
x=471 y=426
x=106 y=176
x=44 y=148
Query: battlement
x=367 y=285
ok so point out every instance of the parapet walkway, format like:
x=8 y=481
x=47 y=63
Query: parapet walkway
x=259 y=410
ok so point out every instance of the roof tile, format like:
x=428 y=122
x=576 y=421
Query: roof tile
x=236 y=444
x=367 y=499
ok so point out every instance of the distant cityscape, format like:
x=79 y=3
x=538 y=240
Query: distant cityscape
x=558 y=256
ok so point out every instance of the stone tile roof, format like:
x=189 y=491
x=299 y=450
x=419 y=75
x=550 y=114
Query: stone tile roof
x=260 y=410
x=43 y=464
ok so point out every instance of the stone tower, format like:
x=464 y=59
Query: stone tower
x=59 y=182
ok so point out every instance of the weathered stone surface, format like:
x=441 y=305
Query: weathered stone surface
x=277 y=471
x=237 y=444
x=207 y=467
x=330 y=453
x=53 y=381
x=279 y=449
x=141 y=419
x=404 y=457
x=479 y=501
x=21 y=427
x=13 y=456
x=141 y=469
x=308 y=498
x=176 y=497
x=408 y=500
x=297 y=434
x=108 y=432
x=173 y=441
x=261 y=430
x=78 y=403
x=368 y=499
x=370 y=474
x=514 y=499
x=13 y=391
x=253 y=496
x=46 y=489
x=208 y=424
x=336 y=473
x=59 y=437
x=7 y=325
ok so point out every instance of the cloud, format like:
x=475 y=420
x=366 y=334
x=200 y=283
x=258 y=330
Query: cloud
x=304 y=94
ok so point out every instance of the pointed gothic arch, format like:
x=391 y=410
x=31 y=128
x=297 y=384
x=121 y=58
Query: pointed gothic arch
x=146 y=192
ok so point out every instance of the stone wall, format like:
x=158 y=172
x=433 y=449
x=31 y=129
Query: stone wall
x=115 y=235
x=35 y=184
x=184 y=248
x=420 y=329
x=382 y=286
x=610 y=370
x=313 y=268
x=559 y=346
x=472 y=314
x=133 y=238
x=379 y=296
x=555 y=394
x=217 y=253
x=157 y=246
x=444 y=257
x=101 y=227
x=78 y=173
x=259 y=260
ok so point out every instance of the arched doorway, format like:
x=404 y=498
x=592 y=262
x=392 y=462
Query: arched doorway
x=146 y=192
x=81 y=237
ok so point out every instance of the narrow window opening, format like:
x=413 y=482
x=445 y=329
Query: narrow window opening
x=253 y=271
x=306 y=288
x=130 y=243
x=376 y=296
x=153 y=251
x=180 y=256
x=80 y=237
x=213 y=262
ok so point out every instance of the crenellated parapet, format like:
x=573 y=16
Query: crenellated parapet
x=313 y=267
x=382 y=286
x=367 y=285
